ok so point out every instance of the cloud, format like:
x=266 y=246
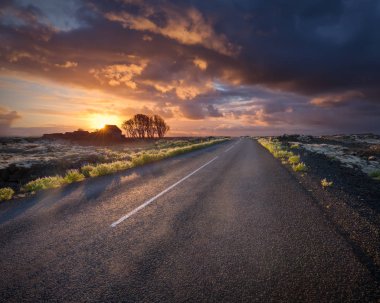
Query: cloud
x=201 y=64
x=67 y=64
x=185 y=25
x=7 y=117
x=118 y=74
x=290 y=66
x=333 y=100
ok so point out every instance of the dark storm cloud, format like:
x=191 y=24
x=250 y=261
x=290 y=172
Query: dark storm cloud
x=291 y=64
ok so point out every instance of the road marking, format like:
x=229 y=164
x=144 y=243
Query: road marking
x=229 y=148
x=159 y=195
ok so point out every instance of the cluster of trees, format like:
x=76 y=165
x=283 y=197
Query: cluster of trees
x=143 y=126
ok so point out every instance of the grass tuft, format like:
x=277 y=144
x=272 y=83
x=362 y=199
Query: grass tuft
x=73 y=175
x=6 y=193
x=300 y=167
x=44 y=183
x=86 y=169
x=326 y=183
x=294 y=160
x=283 y=153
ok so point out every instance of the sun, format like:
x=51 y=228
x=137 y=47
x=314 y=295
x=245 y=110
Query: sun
x=98 y=121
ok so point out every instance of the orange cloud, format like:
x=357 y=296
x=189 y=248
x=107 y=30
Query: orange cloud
x=201 y=64
x=187 y=27
x=335 y=99
x=67 y=64
x=118 y=74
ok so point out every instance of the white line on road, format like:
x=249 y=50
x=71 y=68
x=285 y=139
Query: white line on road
x=159 y=195
x=232 y=146
x=229 y=148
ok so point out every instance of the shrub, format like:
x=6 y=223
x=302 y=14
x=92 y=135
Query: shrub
x=73 y=175
x=326 y=183
x=300 y=167
x=44 y=183
x=375 y=174
x=294 y=160
x=6 y=193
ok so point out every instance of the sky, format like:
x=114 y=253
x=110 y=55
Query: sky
x=221 y=67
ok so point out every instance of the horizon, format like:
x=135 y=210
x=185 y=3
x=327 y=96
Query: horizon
x=245 y=68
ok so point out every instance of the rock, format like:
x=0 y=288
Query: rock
x=371 y=158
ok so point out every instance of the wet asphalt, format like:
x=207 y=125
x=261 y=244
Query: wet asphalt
x=241 y=229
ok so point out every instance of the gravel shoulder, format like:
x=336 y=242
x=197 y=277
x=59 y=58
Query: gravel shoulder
x=352 y=203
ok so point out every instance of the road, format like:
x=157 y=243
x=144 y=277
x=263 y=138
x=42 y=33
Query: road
x=223 y=224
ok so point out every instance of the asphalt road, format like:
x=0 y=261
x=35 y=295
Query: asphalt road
x=239 y=229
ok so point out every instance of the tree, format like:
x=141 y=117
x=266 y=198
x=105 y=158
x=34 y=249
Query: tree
x=143 y=126
x=160 y=126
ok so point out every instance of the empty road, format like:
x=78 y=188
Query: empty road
x=223 y=224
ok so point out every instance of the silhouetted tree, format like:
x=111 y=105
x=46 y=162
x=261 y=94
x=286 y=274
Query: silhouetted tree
x=161 y=128
x=143 y=126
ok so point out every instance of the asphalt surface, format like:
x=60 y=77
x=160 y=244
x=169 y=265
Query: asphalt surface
x=240 y=229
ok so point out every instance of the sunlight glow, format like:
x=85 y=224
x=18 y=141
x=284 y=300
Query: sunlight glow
x=97 y=121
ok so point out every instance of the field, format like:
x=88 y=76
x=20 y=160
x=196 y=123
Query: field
x=25 y=159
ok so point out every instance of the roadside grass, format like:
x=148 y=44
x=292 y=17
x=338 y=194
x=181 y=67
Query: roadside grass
x=375 y=175
x=325 y=183
x=6 y=193
x=283 y=153
x=294 y=160
x=300 y=167
x=101 y=169
x=44 y=183
x=295 y=146
x=73 y=175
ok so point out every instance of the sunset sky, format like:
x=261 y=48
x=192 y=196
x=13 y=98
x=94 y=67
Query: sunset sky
x=219 y=67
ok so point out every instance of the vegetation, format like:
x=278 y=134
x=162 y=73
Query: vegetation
x=6 y=193
x=44 y=183
x=143 y=126
x=326 y=183
x=283 y=153
x=73 y=175
x=295 y=146
x=101 y=169
x=294 y=160
x=300 y=167
x=375 y=175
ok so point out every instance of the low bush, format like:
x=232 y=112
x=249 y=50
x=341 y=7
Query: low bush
x=6 y=193
x=73 y=175
x=44 y=183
